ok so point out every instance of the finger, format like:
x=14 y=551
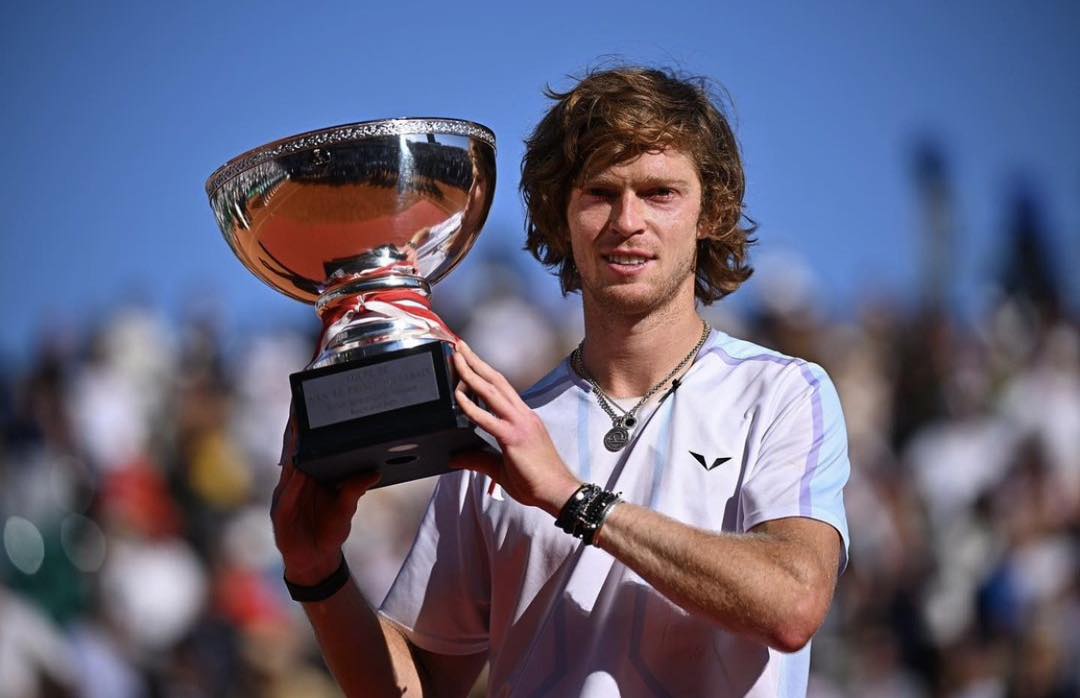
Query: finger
x=289 y=441
x=478 y=365
x=479 y=463
x=485 y=395
x=474 y=411
x=481 y=417
x=485 y=371
x=489 y=393
x=352 y=489
x=287 y=492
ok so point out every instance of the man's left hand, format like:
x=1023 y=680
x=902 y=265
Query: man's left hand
x=531 y=470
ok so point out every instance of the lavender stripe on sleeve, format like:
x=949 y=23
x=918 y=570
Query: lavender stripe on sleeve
x=805 y=505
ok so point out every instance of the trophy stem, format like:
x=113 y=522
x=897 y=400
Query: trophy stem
x=348 y=290
x=374 y=316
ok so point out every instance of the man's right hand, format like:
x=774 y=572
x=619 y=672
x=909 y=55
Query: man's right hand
x=312 y=520
x=368 y=656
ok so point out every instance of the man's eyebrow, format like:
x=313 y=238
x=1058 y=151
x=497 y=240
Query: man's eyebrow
x=646 y=182
x=657 y=181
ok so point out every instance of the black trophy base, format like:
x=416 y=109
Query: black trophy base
x=393 y=413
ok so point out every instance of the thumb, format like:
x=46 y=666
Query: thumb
x=484 y=461
x=352 y=489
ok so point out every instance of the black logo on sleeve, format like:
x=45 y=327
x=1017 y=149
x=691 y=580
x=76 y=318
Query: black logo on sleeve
x=701 y=459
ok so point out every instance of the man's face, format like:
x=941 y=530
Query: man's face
x=634 y=232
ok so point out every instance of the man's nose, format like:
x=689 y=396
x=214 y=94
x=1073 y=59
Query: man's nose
x=628 y=214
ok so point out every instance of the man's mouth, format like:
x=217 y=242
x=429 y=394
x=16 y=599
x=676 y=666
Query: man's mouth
x=625 y=260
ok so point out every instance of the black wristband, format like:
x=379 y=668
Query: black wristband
x=324 y=589
x=569 y=517
x=584 y=513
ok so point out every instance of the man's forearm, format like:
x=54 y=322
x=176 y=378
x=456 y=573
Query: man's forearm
x=769 y=585
x=367 y=656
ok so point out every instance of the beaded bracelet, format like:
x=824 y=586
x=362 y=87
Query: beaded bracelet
x=585 y=512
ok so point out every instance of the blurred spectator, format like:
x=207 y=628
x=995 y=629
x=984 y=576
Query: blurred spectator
x=35 y=658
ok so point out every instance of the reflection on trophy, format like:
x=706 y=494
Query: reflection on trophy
x=360 y=220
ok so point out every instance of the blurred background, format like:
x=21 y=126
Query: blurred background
x=915 y=171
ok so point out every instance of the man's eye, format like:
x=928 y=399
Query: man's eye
x=599 y=192
x=661 y=193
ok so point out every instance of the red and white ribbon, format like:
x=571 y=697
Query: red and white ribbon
x=402 y=305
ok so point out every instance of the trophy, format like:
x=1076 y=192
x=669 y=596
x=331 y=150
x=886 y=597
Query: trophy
x=361 y=220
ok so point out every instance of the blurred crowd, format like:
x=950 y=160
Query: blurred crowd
x=137 y=463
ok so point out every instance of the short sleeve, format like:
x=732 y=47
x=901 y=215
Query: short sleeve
x=802 y=463
x=441 y=596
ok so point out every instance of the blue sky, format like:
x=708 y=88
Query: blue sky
x=114 y=115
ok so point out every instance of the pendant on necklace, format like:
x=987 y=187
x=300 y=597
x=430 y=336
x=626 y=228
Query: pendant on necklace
x=616 y=438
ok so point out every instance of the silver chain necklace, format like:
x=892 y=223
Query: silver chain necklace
x=619 y=435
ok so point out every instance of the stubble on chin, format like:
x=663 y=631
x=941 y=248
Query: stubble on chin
x=640 y=300
x=622 y=301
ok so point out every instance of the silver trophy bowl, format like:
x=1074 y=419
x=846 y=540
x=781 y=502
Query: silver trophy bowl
x=331 y=214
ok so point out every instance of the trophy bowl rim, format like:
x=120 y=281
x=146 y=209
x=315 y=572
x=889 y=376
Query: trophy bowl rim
x=344 y=134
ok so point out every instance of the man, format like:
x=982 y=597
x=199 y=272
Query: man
x=711 y=573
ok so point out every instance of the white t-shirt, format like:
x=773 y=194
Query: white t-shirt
x=749 y=436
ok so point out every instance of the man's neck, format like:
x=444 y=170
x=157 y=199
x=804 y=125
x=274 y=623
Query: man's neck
x=627 y=356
